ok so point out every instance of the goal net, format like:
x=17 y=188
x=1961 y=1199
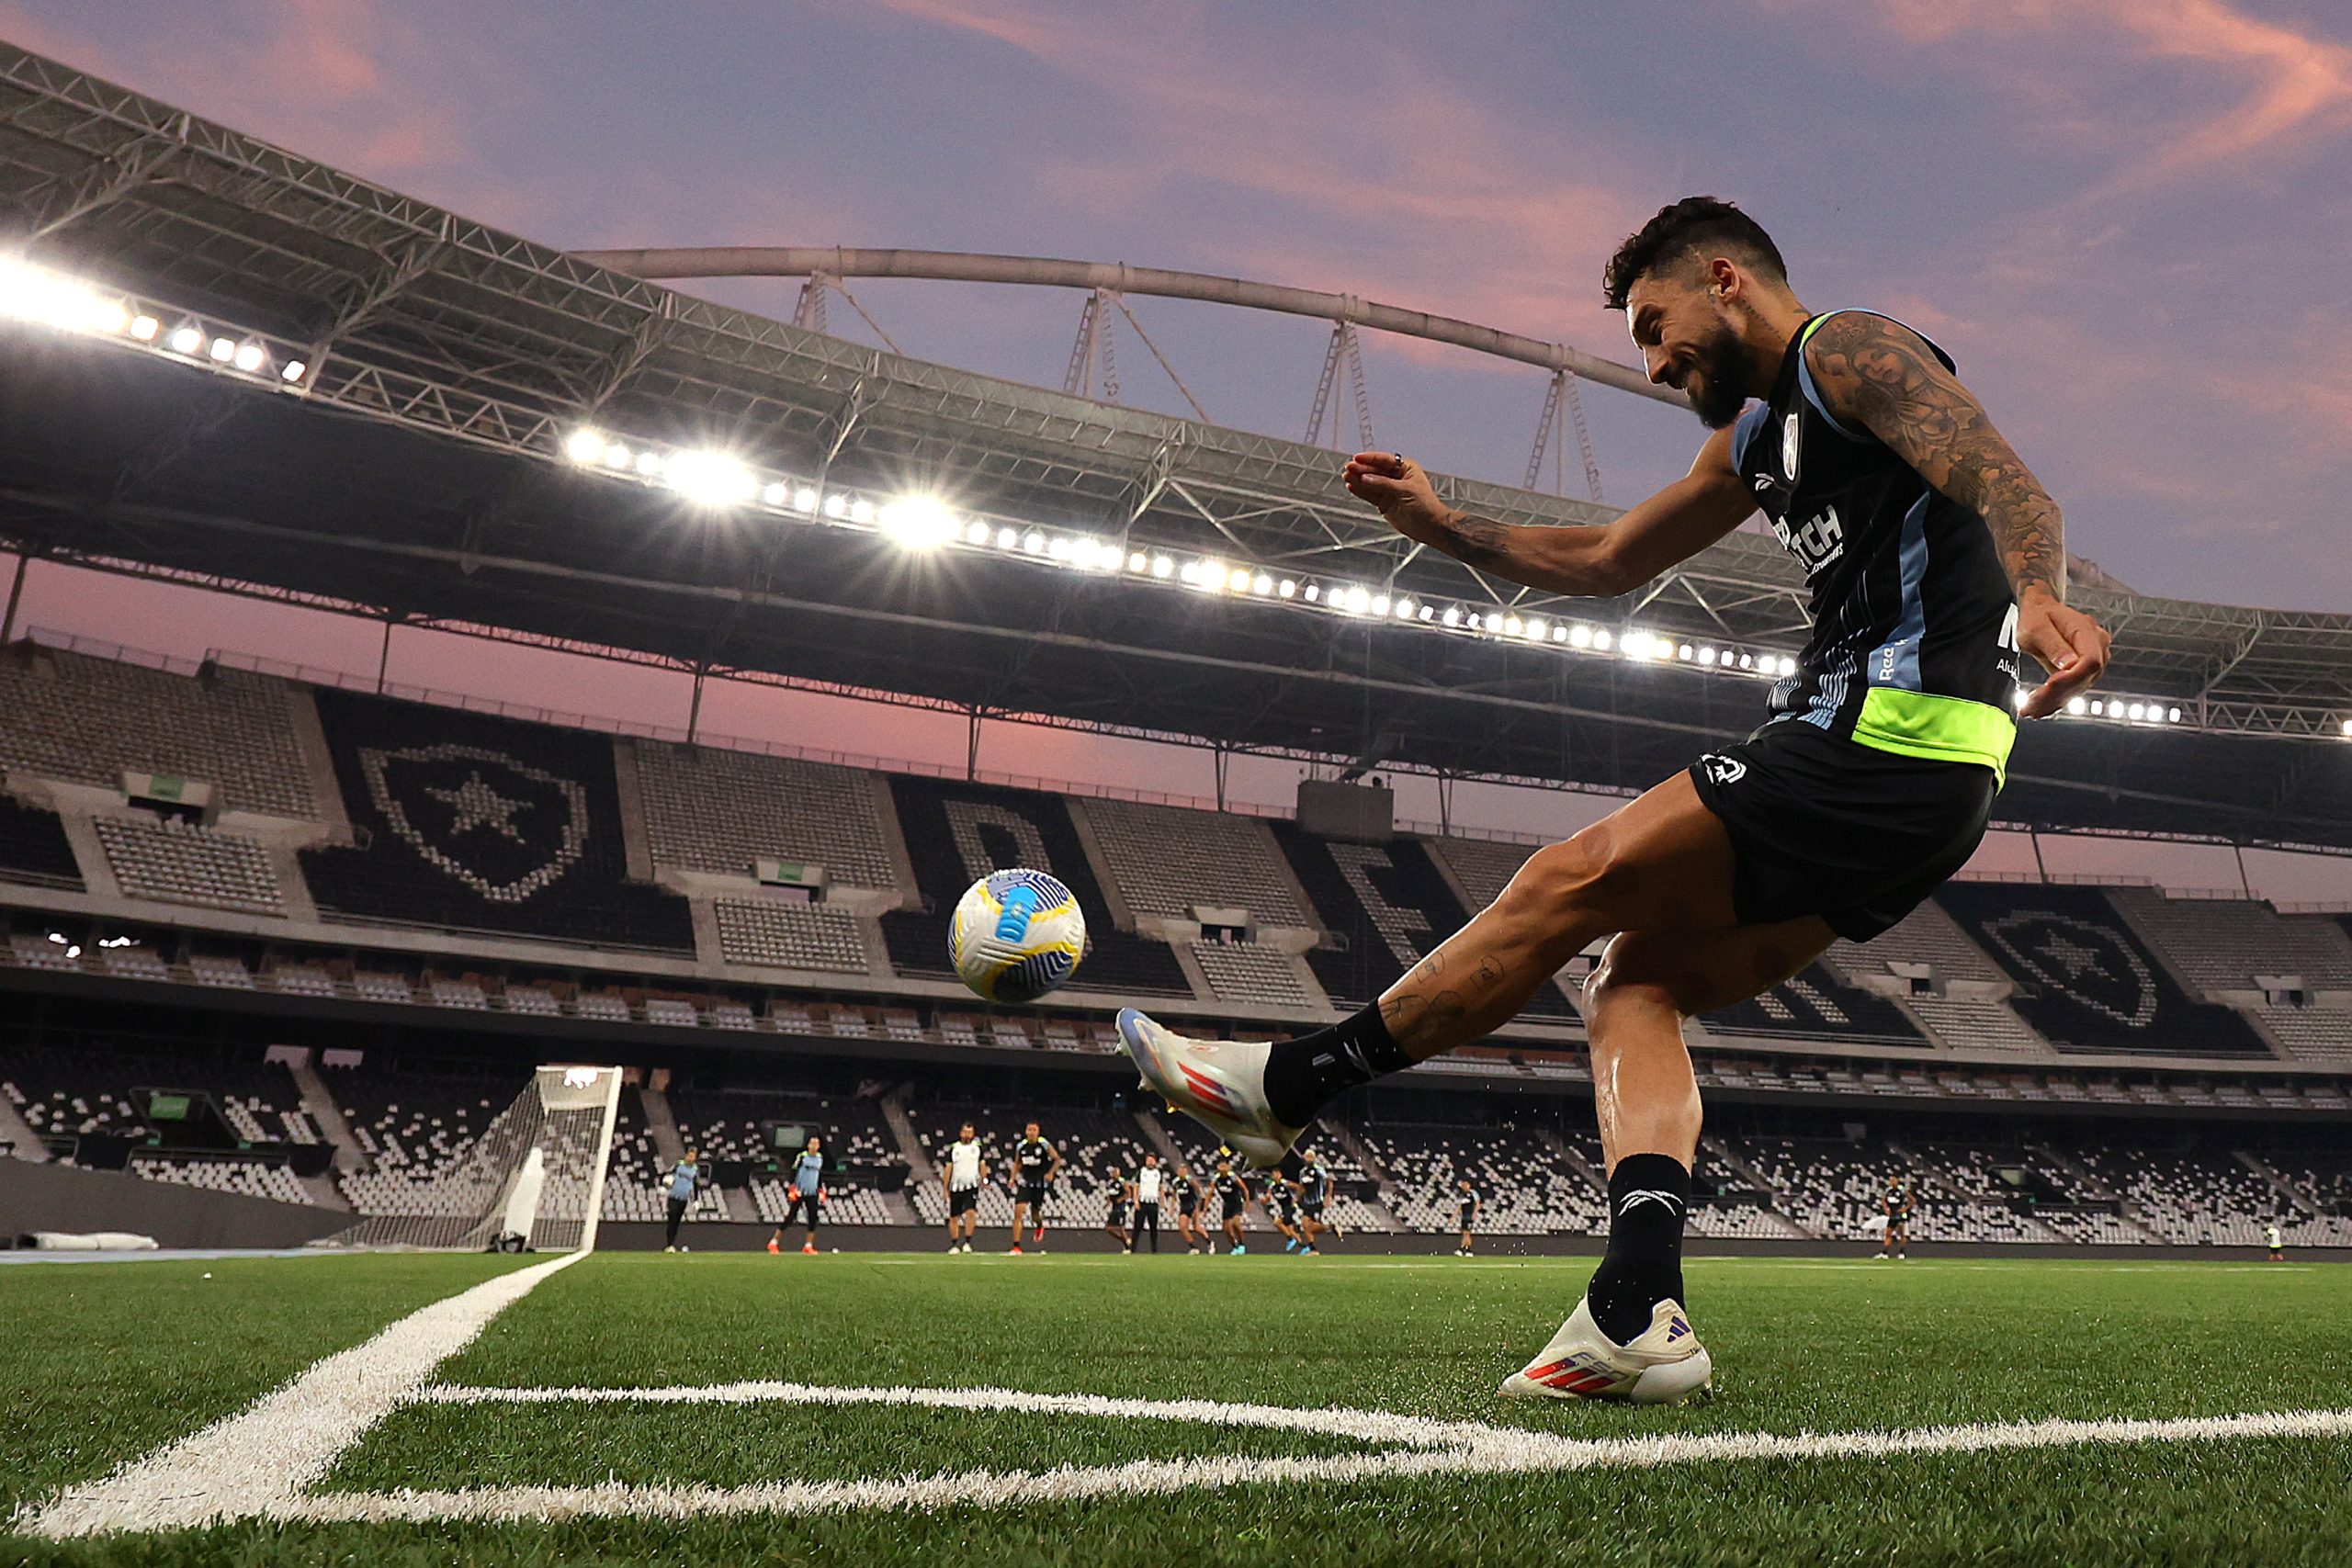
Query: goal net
x=534 y=1179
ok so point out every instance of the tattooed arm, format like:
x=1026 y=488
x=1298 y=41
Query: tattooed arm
x=1879 y=375
x=1672 y=525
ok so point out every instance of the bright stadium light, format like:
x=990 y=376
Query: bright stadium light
x=185 y=339
x=617 y=456
x=1536 y=628
x=1427 y=611
x=1162 y=567
x=1601 y=640
x=1637 y=644
x=1358 y=601
x=918 y=521
x=1312 y=593
x=1380 y=604
x=2172 y=715
x=1452 y=616
x=223 y=350
x=144 y=328
x=1513 y=626
x=30 y=293
x=804 y=500
x=1287 y=588
x=249 y=356
x=1579 y=636
x=1405 y=608
x=710 y=478
x=2347 y=729
x=650 y=464
x=777 y=494
x=2077 y=707
x=1238 y=579
x=583 y=446
x=1262 y=584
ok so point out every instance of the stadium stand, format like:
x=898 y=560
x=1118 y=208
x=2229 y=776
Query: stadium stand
x=2309 y=1032
x=1388 y=905
x=2084 y=981
x=1524 y=1187
x=1828 y=1186
x=1483 y=866
x=416 y=1127
x=732 y=1129
x=88 y=720
x=1817 y=1005
x=957 y=833
x=2189 y=1196
x=1168 y=860
x=637 y=1179
x=475 y=822
x=253 y=1179
x=1250 y=973
x=772 y=933
x=33 y=846
x=707 y=808
x=177 y=861
x=2228 y=944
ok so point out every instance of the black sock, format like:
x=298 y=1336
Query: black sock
x=1648 y=1197
x=1305 y=1074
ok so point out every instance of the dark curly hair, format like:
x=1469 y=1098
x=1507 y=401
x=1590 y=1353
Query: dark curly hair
x=1693 y=224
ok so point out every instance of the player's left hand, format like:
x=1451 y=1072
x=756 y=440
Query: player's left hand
x=2064 y=641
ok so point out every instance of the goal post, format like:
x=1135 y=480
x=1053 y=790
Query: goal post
x=534 y=1179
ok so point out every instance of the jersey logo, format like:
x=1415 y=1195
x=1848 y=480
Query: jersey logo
x=1789 y=448
x=1724 y=770
x=1762 y=481
x=1641 y=1195
x=1817 y=543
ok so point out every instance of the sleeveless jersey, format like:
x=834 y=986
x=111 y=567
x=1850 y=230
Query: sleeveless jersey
x=1914 y=646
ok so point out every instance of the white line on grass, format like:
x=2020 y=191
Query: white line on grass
x=1428 y=1448
x=260 y=1461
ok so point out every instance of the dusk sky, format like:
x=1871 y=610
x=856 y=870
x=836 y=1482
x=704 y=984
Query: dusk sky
x=2124 y=217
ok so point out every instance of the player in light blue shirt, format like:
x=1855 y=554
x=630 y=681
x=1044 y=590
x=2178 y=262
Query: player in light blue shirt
x=808 y=1194
x=685 y=1177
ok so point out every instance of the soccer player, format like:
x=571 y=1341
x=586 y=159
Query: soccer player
x=1467 y=1217
x=2278 y=1242
x=685 y=1177
x=1036 y=1162
x=1897 y=1235
x=1114 y=1217
x=1282 y=1207
x=1314 y=1193
x=1187 y=1212
x=965 y=1172
x=808 y=1195
x=1146 y=1187
x=1935 y=562
x=1233 y=1195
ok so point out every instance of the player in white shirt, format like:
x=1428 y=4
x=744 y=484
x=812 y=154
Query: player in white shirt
x=1146 y=1185
x=2278 y=1242
x=962 y=1177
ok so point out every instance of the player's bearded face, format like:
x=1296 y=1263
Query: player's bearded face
x=1716 y=384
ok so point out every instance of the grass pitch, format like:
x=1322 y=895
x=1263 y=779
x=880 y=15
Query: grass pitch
x=104 y=1363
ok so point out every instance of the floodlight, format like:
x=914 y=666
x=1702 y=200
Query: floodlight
x=185 y=339
x=2077 y=707
x=1380 y=604
x=1513 y=626
x=144 y=328
x=1287 y=588
x=1452 y=616
x=1580 y=636
x=918 y=521
x=836 y=504
x=1314 y=592
x=648 y=463
x=583 y=446
x=618 y=456
x=1601 y=640
x=223 y=350
x=249 y=356
x=1161 y=566
x=804 y=500
x=774 y=494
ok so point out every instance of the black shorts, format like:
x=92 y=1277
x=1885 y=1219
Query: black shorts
x=1032 y=1196
x=963 y=1201
x=1312 y=1211
x=1822 y=825
x=1190 y=1207
x=1234 y=1212
x=1117 y=1219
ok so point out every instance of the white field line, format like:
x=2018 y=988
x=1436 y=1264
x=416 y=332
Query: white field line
x=1430 y=1447
x=262 y=1460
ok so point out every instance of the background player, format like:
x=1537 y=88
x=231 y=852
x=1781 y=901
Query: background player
x=2277 y=1241
x=808 y=1195
x=1314 y=1193
x=1935 y=561
x=1146 y=1194
x=1282 y=1207
x=1188 y=1212
x=1233 y=1200
x=1036 y=1162
x=1897 y=1235
x=1115 y=1215
x=685 y=1177
x=962 y=1177
x=1467 y=1217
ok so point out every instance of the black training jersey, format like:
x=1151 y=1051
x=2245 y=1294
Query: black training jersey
x=1229 y=1187
x=1310 y=1182
x=1915 y=627
x=1186 y=1195
x=1032 y=1157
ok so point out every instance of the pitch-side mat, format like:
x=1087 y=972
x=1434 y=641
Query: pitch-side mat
x=262 y=1462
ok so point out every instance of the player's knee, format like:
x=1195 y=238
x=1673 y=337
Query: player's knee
x=1580 y=872
x=1635 y=967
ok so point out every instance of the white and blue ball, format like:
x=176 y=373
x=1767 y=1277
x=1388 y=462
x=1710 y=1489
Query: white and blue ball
x=1016 y=935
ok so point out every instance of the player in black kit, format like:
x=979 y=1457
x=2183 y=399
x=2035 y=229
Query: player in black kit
x=1314 y=1193
x=1233 y=1201
x=1036 y=1162
x=1188 y=1212
x=1936 y=564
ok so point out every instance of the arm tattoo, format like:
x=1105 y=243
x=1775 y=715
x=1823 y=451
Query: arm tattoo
x=1880 y=375
x=1474 y=541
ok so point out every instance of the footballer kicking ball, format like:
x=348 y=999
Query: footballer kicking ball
x=1016 y=935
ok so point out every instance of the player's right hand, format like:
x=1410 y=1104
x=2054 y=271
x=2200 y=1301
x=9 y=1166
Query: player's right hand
x=1400 y=488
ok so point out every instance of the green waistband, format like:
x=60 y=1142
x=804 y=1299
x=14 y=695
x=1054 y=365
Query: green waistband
x=1942 y=729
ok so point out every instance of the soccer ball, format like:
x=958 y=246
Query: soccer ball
x=1016 y=935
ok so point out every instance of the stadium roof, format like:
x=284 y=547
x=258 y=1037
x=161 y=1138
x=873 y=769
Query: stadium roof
x=346 y=394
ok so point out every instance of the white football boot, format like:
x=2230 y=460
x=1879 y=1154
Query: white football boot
x=1221 y=1084
x=1665 y=1364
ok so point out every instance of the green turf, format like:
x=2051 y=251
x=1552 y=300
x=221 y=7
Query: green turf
x=1799 y=1345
